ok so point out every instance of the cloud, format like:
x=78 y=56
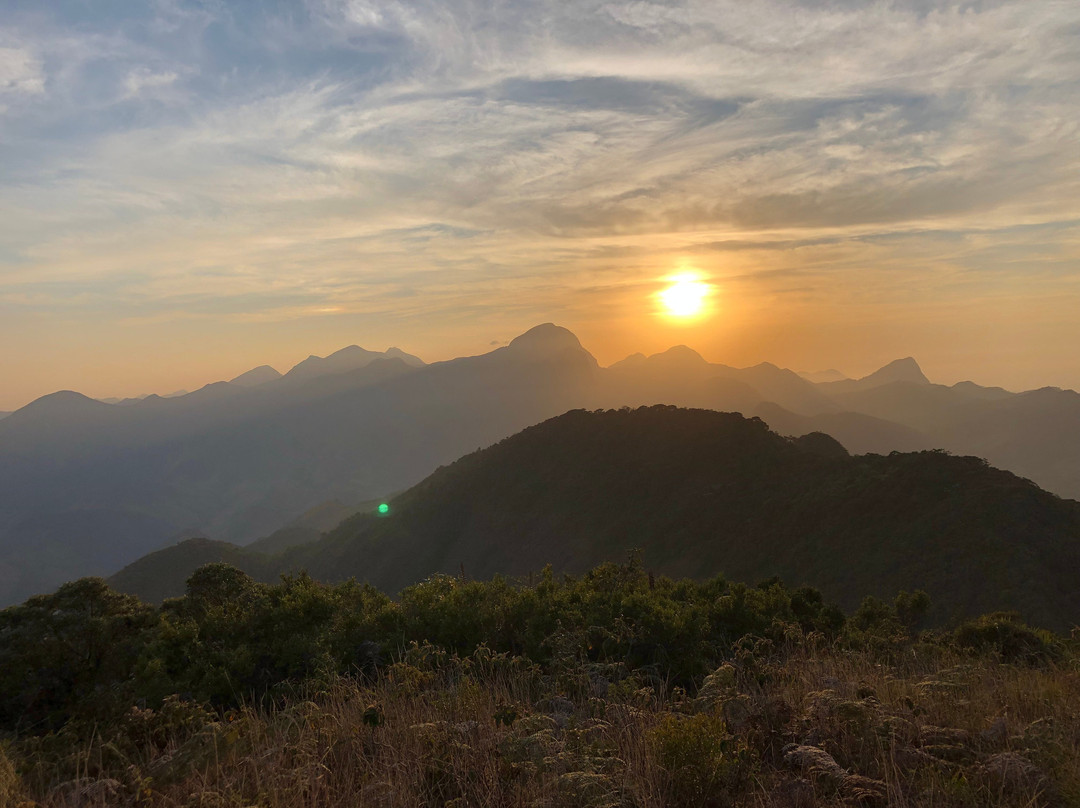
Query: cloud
x=20 y=72
x=142 y=78
x=301 y=156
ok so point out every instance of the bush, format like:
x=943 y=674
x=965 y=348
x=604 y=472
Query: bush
x=72 y=651
x=10 y=785
x=1005 y=634
x=705 y=766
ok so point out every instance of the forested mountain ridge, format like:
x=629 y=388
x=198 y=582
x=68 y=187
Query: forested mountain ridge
x=704 y=493
x=87 y=487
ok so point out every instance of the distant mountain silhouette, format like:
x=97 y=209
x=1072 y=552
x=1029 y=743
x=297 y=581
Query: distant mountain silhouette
x=64 y=406
x=922 y=406
x=1035 y=434
x=242 y=462
x=786 y=388
x=308 y=527
x=61 y=421
x=901 y=370
x=352 y=358
x=682 y=376
x=857 y=432
x=678 y=375
x=407 y=358
x=830 y=375
x=256 y=376
x=638 y=358
x=544 y=343
x=702 y=493
x=973 y=390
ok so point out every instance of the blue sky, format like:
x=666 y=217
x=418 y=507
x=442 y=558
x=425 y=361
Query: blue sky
x=188 y=189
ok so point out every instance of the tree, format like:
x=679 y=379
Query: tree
x=74 y=649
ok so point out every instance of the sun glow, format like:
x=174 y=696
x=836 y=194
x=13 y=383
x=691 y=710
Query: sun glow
x=685 y=297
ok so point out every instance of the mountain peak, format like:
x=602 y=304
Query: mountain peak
x=407 y=358
x=349 y=358
x=904 y=370
x=351 y=351
x=543 y=341
x=256 y=376
x=62 y=408
x=633 y=360
x=63 y=401
x=899 y=370
x=680 y=351
x=680 y=354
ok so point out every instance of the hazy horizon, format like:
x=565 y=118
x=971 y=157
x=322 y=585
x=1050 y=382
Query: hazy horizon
x=132 y=390
x=191 y=190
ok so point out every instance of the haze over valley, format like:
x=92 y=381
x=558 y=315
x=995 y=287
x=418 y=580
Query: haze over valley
x=88 y=487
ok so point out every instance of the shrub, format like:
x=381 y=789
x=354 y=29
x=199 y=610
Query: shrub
x=705 y=765
x=10 y=785
x=73 y=650
x=1005 y=634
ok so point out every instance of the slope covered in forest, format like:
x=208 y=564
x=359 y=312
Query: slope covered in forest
x=706 y=493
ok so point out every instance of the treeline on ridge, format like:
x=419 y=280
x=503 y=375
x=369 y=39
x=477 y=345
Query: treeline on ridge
x=702 y=492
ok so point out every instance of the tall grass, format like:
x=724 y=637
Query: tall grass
x=802 y=725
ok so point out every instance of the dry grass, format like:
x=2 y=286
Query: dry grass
x=813 y=728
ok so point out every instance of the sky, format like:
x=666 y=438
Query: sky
x=191 y=189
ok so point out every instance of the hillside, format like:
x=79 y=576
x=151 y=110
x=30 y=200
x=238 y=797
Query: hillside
x=155 y=576
x=705 y=492
x=163 y=574
x=238 y=461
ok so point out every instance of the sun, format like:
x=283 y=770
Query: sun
x=685 y=297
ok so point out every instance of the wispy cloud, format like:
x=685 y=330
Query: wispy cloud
x=299 y=157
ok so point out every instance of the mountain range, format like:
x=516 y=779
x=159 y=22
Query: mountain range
x=701 y=493
x=87 y=487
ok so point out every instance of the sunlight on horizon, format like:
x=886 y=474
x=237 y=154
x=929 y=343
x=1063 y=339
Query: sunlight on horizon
x=686 y=298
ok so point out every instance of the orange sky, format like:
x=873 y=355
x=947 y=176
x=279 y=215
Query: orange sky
x=189 y=191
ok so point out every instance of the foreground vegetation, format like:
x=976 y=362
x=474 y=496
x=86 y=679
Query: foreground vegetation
x=612 y=689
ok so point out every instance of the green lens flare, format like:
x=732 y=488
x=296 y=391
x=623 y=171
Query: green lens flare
x=384 y=508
